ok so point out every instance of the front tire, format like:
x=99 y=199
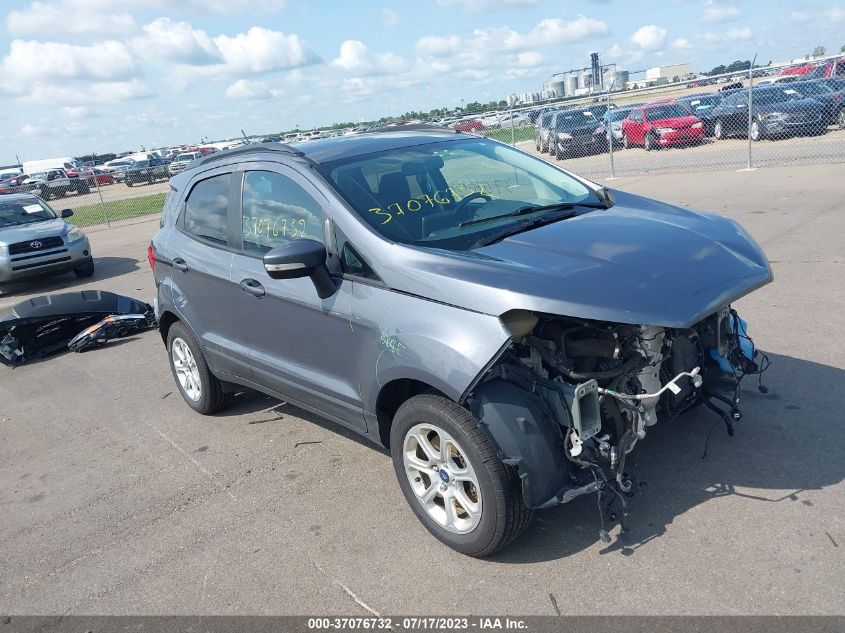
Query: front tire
x=719 y=130
x=452 y=478
x=625 y=142
x=758 y=133
x=649 y=142
x=199 y=387
x=86 y=270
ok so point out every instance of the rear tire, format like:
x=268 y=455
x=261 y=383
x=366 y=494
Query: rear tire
x=719 y=130
x=475 y=476
x=625 y=142
x=840 y=119
x=199 y=387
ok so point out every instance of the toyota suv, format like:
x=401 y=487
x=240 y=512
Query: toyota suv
x=36 y=241
x=508 y=330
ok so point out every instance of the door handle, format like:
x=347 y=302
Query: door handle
x=180 y=264
x=252 y=287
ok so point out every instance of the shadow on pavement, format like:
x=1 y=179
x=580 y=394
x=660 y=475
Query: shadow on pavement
x=770 y=453
x=104 y=268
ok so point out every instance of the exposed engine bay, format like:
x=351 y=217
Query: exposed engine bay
x=592 y=390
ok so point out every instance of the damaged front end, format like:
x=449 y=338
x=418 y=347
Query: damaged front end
x=48 y=324
x=568 y=399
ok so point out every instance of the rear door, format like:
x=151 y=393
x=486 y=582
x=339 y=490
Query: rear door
x=301 y=346
x=200 y=254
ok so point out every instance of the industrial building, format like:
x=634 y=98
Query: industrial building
x=682 y=71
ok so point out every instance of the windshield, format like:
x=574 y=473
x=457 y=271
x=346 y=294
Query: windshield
x=185 y=157
x=702 y=103
x=24 y=212
x=813 y=89
x=617 y=115
x=432 y=194
x=666 y=112
x=777 y=95
x=572 y=120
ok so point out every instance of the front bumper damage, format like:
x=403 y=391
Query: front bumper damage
x=565 y=404
x=45 y=325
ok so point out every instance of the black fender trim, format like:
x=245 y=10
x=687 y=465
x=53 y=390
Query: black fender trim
x=526 y=437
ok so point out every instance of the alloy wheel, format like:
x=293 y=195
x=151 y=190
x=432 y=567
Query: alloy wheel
x=442 y=478
x=187 y=372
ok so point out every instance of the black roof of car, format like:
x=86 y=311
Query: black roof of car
x=327 y=150
x=19 y=197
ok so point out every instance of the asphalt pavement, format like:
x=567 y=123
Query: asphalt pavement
x=120 y=500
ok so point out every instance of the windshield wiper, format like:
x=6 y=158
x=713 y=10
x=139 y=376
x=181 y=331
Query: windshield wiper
x=531 y=208
x=524 y=225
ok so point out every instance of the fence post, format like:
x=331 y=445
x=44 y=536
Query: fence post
x=610 y=134
x=750 y=104
x=513 y=142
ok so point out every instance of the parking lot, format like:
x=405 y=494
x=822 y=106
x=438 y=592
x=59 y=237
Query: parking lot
x=120 y=500
x=710 y=156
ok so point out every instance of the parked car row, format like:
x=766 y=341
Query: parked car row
x=800 y=107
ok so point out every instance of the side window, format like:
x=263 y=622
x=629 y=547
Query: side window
x=276 y=210
x=207 y=208
x=351 y=262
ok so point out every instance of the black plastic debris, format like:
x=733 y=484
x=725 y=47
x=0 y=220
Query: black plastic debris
x=44 y=325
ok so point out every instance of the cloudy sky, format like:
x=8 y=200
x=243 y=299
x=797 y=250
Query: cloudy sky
x=110 y=75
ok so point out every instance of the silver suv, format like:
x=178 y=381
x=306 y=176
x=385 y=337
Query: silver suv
x=509 y=331
x=35 y=241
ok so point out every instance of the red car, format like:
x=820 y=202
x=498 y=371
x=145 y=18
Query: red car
x=103 y=177
x=468 y=125
x=657 y=125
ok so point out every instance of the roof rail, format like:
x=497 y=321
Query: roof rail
x=414 y=127
x=281 y=148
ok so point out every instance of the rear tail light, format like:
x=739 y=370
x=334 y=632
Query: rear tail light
x=151 y=257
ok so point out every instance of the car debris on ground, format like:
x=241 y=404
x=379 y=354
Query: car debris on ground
x=48 y=324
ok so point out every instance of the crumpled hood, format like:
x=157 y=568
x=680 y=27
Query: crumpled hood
x=641 y=262
x=24 y=232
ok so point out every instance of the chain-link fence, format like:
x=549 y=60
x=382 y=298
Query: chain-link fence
x=727 y=122
x=731 y=121
x=97 y=196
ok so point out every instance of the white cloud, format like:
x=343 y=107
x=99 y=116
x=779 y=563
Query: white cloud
x=356 y=59
x=261 y=50
x=715 y=12
x=485 y=47
x=30 y=130
x=230 y=7
x=681 y=44
x=70 y=17
x=247 y=89
x=796 y=17
x=87 y=93
x=529 y=59
x=391 y=17
x=649 y=38
x=834 y=14
x=105 y=61
x=75 y=112
x=738 y=34
x=557 y=31
x=481 y=6
x=176 y=41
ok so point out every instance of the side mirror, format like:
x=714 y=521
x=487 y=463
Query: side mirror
x=301 y=258
x=66 y=213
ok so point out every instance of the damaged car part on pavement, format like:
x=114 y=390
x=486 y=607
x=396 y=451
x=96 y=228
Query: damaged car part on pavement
x=508 y=330
x=44 y=325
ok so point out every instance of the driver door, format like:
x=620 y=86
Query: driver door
x=301 y=346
